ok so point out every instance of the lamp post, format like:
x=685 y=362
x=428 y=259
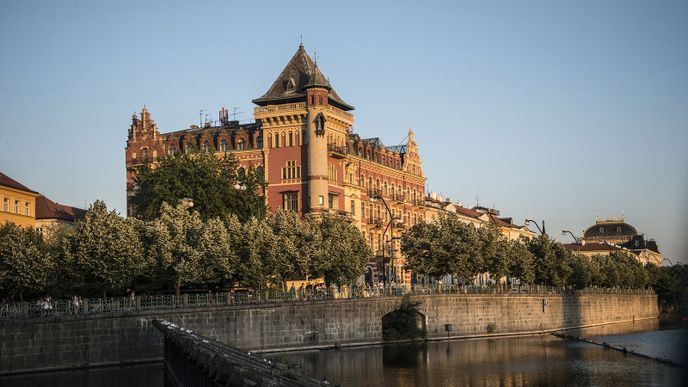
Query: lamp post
x=542 y=230
x=374 y=196
x=564 y=232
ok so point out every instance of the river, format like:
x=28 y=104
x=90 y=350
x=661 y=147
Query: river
x=542 y=360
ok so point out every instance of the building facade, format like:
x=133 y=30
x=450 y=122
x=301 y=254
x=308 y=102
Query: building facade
x=27 y=208
x=18 y=202
x=303 y=142
x=615 y=235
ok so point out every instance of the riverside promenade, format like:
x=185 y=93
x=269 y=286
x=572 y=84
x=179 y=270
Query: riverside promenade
x=119 y=331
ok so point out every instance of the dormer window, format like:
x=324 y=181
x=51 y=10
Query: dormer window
x=601 y=230
x=289 y=84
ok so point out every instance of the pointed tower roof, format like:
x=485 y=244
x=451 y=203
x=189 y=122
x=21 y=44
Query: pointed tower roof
x=301 y=72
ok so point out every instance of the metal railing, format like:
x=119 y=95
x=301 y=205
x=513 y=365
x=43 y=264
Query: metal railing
x=97 y=306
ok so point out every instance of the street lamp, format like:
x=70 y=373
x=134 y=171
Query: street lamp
x=374 y=196
x=542 y=230
x=564 y=232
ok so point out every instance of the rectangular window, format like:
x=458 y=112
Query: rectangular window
x=332 y=201
x=27 y=210
x=291 y=201
x=291 y=170
x=362 y=210
x=16 y=206
x=353 y=207
x=6 y=205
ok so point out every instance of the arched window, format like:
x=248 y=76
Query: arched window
x=384 y=188
x=223 y=145
x=291 y=139
x=276 y=140
x=206 y=146
x=172 y=149
x=144 y=155
x=259 y=142
x=240 y=144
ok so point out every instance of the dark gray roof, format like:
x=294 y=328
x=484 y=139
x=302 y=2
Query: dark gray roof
x=610 y=229
x=290 y=85
x=375 y=141
x=401 y=149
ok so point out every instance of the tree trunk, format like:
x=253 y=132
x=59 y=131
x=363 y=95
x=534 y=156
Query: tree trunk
x=21 y=296
x=177 y=288
x=104 y=293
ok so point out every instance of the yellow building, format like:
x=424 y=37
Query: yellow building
x=27 y=208
x=18 y=202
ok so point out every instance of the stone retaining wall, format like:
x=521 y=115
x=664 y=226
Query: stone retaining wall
x=83 y=341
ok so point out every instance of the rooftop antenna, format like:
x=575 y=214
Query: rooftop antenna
x=315 y=58
x=235 y=112
x=477 y=198
x=300 y=40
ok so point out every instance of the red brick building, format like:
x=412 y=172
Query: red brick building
x=303 y=141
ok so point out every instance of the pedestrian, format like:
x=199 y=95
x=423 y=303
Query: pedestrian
x=132 y=298
x=292 y=292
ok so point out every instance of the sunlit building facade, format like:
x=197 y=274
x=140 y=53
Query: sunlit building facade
x=304 y=144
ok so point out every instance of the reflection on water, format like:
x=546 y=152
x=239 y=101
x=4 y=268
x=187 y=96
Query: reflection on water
x=143 y=375
x=521 y=361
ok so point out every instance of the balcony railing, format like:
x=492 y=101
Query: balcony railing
x=337 y=151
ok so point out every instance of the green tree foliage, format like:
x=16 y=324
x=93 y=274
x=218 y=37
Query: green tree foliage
x=217 y=186
x=495 y=251
x=105 y=249
x=671 y=285
x=299 y=243
x=343 y=253
x=219 y=258
x=445 y=246
x=552 y=261
x=175 y=241
x=25 y=264
x=521 y=264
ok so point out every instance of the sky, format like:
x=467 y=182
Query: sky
x=550 y=110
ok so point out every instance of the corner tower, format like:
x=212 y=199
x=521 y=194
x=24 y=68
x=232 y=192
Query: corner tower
x=301 y=115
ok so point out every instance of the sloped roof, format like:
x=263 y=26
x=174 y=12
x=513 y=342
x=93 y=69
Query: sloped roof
x=301 y=71
x=610 y=229
x=11 y=183
x=591 y=246
x=468 y=212
x=47 y=209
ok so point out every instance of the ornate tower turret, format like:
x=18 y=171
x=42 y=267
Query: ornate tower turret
x=317 y=90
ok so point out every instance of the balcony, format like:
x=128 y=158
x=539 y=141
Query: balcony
x=338 y=152
x=374 y=193
x=377 y=223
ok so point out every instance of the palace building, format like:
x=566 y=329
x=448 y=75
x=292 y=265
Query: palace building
x=303 y=142
x=615 y=235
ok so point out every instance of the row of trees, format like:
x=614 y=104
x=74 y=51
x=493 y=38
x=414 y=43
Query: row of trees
x=180 y=248
x=450 y=246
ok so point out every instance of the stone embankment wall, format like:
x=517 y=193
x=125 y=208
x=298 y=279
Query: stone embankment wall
x=83 y=340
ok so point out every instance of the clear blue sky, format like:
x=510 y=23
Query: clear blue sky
x=555 y=110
